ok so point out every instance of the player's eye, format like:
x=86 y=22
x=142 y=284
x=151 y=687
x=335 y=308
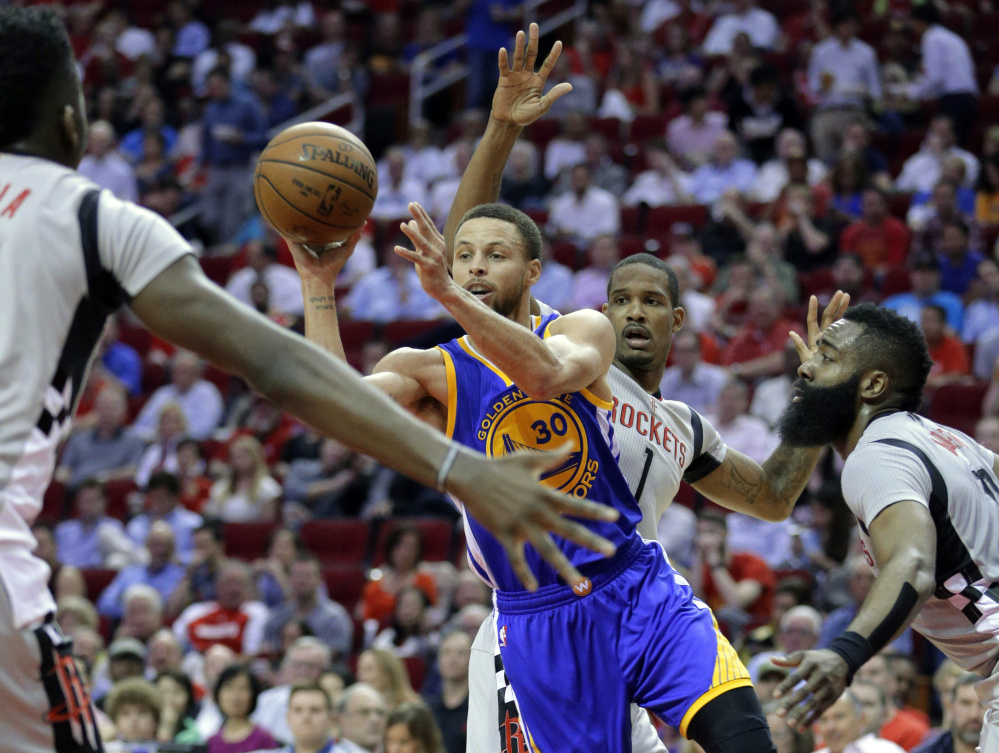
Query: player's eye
x=825 y=357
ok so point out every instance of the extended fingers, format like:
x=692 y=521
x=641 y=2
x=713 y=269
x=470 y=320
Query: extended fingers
x=799 y=345
x=518 y=52
x=504 y=62
x=554 y=556
x=814 y=332
x=559 y=90
x=546 y=67
x=515 y=553
x=578 y=534
x=532 y=47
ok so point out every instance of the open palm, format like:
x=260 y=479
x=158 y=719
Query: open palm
x=519 y=97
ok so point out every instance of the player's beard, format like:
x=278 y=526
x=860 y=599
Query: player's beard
x=821 y=416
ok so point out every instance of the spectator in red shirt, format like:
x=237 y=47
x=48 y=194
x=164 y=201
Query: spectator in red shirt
x=904 y=727
x=882 y=241
x=737 y=585
x=757 y=350
x=950 y=359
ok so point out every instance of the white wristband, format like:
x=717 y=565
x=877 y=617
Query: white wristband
x=445 y=468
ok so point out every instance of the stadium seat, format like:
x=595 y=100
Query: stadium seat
x=136 y=337
x=812 y=282
x=685 y=495
x=53 y=503
x=219 y=378
x=631 y=244
x=97 y=580
x=117 y=492
x=629 y=221
x=344 y=584
x=609 y=128
x=400 y=332
x=648 y=127
x=416 y=668
x=661 y=219
x=247 y=541
x=354 y=334
x=216 y=268
x=337 y=540
x=958 y=405
x=540 y=132
x=540 y=216
x=899 y=203
x=437 y=536
x=567 y=254
x=897 y=280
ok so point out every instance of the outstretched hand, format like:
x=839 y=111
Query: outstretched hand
x=818 y=679
x=323 y=264
x=833 y=312
x=429 y=252
x=519 y=97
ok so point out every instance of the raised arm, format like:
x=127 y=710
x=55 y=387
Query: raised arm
x=769 y=491
x=518 y=102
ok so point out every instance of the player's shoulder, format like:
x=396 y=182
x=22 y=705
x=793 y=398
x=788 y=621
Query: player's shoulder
x=407 y=360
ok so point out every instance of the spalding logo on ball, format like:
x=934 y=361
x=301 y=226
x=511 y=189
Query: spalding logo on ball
x=315 y=183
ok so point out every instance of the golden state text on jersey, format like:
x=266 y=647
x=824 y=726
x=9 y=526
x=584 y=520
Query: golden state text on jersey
x=489 y=413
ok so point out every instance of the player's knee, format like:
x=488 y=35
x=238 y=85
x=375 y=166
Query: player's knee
x=732 y=723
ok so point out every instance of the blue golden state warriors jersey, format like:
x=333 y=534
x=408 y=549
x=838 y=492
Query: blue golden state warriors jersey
x=489 y=413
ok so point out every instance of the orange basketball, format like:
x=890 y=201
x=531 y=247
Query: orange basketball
x=315 y=183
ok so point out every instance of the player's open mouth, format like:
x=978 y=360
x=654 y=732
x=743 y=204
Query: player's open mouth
x=479 y=291
x=637 y=337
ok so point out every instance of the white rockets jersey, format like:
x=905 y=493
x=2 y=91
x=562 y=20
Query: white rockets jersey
x=901 y=457
x=69 y=256
x=661 y=442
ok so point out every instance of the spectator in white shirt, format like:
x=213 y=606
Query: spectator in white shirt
x=242 y=58
x=948 y=69
x=692 y=136
x=247 y=492
x=391 y=292
x=423 y=160
x=923 y=170
x=569 y=148
x=395 y=193
x=772 y=395
x=304 y=662
x=773 y=174
x=589 y=290
x=105 y=167
x=699 y=307
x=282 y=281
x=663 y=183
x=760 y=25
x=280 y=15
x=445 y=188
x=726 y=171
x=689 y=379
x=554 y=287
x=842 y=728
x=584 y=212
x=748 y=434
x=606 y=174
x=199 y=399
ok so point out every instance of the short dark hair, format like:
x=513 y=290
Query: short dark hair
x=214 y=526
x=191 y=442
x=420 y=723
x=895 y=345
x=526 y=227
x=394 y=536
x=310 y=687
x=713 y=516
x=91 y=482
x=938 y=310
x=957 y=222
x=184 y=681
x=34 y=51
x=764 y=73
x=925 y=11
x=164 y=480
x=219 y=70
x=672 y=283
x=229 y=674
x=688 y=95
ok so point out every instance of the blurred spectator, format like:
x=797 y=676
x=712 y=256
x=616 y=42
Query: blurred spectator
x=630 y=88
x=953 y=172
x=177 y=715
x=585 y=211
x=982 y=313
x=191 y=36
x=727 y=81
x=903 y=727
x=233 y=129
x=987 y=192
x=92 y=539
x=746 y=18
x=277 y=106
x=948 y=70
x=606 y=174
x=65 y=580
x=950 y=359
x=304 y=662
x=699 y=306
x=772 y=395
x=797 y=630
x=385 y=671
x=944 y=208
x=726 y=171
x=164 y=651
x=235 y=694
x=248 y=492
x=406 y=634
x=199 y=398
x=154 y=170
x=524 y=187
x=874 y=702
x=680 y=65
x=161 y=454
x=273 y=571
x=926 y=292
x=843 y=79
x=728 y=229
x=233 y=618
x=568 y=148
x=472 y=123
x=857 y=141
x=590 y=284
x=203 y=570
x=987 y=433
x=392 y=291
x=327 y=619
x=689 y=379
x=282 y=281
x=153 y=123
x=142 y=614
x=924 y=169
x=842 y=729
x=683 y=241
x=283 y=15
x=162 y=573
x=105 y=167
x=735 y=284
x=848 y=180
x=450 y=705
x=766 y=253
x=403 y=553
x=323 y=63
x=191 y=472
x=445 y=188
x=965 y=733
x=134 y=706
x=120 y=359
x=878 y=238
x=109 y=450
x=162 y=497
x=334 y=485
x=362 y=716
x=239 y=59
x=848 y=275
x=554 y=286
x=691 y=137
x=773 y=175
x=310 y=720
x=395 y=194
x=987 y=367
x=958 y=263
x=757 y=351
x=762 y=112
x=413 y=726
x=487 y=23
x=809 y=240
x=360 y=263
x=730 y=582
x=786 y=739
x=663 y=183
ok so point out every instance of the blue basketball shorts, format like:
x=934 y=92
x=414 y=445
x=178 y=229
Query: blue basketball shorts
x=633 y=632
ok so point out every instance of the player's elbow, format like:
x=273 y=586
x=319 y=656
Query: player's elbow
x=920 y=571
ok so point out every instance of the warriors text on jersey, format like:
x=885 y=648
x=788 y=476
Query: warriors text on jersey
x=904 y=457
x=69 y=255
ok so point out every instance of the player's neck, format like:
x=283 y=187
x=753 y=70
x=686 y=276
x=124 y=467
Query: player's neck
x=849 y=443
x=649 y=380
x=37 y=148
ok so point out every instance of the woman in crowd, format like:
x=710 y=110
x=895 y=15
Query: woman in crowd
x=161 y=455
x=283 y=546
x=236 y=692
x=248 y=493
x=386 y=672
x=407 y=635
x=403 y=553
x=179 y=708
x=411 y=728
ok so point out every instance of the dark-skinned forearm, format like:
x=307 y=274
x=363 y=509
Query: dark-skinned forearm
x=786 y=473
x=908 y=568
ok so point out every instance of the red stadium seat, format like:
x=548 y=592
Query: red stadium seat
x=958 y=405
x=661 y=219
x=397 y=333
x=897 y=280
x=631 y=244
x=97 y=580
x=540 y=216
x=117 y=492
x=337 y=540
x=416 y=668
x=567 y=254
x=136 y=337
x=609 y=128
x=540 y=132
x=354 y=334
x=648 y=127
x=629 y=220
x=53 y=503
x=438 y=534
x=344 y=584
x=898 y=204
x=685 y=494
x=247 y=541
x=812 y=282
x=219 y=378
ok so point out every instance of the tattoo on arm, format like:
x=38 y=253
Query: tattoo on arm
x=787 y=469
x=733 y=477
x=322 y=302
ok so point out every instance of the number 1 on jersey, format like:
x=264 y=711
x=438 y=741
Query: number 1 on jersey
x=645 y=473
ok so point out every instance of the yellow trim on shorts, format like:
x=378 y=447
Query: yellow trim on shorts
x=730 y=673
x=452 y=392
x=710 y=696
x=467 y=346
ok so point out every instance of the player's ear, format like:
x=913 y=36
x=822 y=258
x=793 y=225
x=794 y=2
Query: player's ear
x=70 y=128
x=533 y=271
x=874 y=386
x=603 y=308
x=679 y=316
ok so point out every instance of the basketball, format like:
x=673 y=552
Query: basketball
x=315 y=183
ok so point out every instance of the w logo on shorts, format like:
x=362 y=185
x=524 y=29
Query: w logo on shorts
x=583 y=588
